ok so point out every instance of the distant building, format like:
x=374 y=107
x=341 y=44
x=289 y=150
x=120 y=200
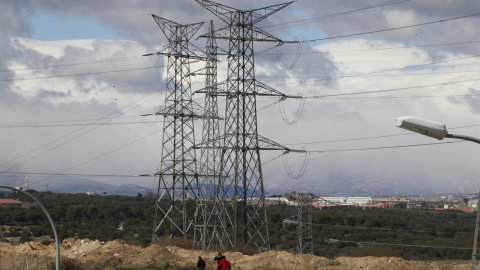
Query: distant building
x=389 y=199
x=329 y=201
x=10 y=203
x=269 y=201
x=449 y=207
x=473 y=204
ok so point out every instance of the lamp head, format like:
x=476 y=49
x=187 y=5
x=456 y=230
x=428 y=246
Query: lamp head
x=422 y=126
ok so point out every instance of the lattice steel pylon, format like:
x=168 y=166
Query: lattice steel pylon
x=304 y=225
x=208 y=233
x=240 y=183
x=178 y=177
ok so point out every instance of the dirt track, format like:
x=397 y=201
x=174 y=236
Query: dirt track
x=88 y=254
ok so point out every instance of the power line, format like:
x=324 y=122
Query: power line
x=393 y=89
x=78 y=74
x=349 y=140
x=358 y=10
x=307 y=21
x=260 y=53
x=374 y=49
x=374 y=76
x=76 y=64
x=33 y=174
x=382 y=71
x=102 y=155
x=373 y=137
x=71 y=125
x=67 y=121
x=406 y=97
x=107 y=117
x=392 y=29
x=382 y=147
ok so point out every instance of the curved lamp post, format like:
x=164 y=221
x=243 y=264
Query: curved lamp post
x=57 y=257
x=429 y=128
x=439 y=131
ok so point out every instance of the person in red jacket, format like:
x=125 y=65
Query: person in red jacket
x=223 y=263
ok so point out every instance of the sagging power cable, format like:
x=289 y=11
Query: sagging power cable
x=288 y=170
x=298 y=114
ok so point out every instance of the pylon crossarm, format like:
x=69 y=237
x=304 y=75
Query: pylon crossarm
x=223 y=12
x=264 y=90
x=261 y=90
x=258 y=34
x=168 y=28
x=262 y=13
x=170 y=111
x=170 y=50
x=269 y=144
x=190 y=55
x=219 y=10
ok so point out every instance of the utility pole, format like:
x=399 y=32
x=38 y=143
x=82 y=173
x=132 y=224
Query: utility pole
x=240 y=182
x=178 y=177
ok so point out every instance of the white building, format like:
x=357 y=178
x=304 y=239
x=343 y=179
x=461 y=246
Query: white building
x=325 y=201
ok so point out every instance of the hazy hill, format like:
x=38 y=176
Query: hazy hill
x=76 y=185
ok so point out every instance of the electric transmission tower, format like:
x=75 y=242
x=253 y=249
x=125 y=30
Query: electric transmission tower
x=240 y=180
x=304 y=225
x=208 y=230
x=178 y=177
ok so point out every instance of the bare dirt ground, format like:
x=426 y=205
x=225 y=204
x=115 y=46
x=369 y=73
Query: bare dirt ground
x=89 y=254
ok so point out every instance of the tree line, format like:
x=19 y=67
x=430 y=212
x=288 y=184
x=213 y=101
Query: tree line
x=337 y=231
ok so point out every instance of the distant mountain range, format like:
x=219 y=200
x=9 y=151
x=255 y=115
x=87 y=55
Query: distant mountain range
x=83 y=185
x=77 y=185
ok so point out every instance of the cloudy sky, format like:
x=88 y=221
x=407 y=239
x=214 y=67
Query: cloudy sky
x=74 y=84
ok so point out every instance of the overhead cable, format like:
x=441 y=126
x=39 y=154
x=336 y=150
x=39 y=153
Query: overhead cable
x=393 y=89
x=78 y=74
x=72 y=125
x=381 y=71
x=100 y=156
x=392 y=29
x=373 y=137
x=374 y=49
x=75 y=64
x=34 y=174
x=106 y=119
x=307 y=21
x=381 y=147
x=373 y=76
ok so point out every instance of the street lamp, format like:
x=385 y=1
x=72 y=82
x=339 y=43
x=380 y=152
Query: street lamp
x=57 y=246
x=429 y=128
x=439 y=131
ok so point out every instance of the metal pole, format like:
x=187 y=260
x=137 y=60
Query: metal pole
x=463 y=137
x=475 y=239
x=57 y=259
x=25 y=263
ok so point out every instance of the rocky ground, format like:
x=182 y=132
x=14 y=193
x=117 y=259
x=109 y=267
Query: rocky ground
x=88 y=254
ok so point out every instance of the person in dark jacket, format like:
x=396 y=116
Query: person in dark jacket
x=223 y=263
x=201 y=263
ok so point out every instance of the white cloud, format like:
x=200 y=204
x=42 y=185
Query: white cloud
x=103 y=89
